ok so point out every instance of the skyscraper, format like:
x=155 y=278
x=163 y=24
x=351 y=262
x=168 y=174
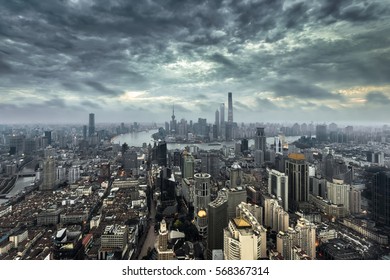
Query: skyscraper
x=381 y=197
x=217 y=221
x=297 y=171
x=245 y=238
x=49 y=174
x=91 y=127
x=222 y=120
x=278 y=186
x=230 y=107
x=201 y=201
x=260 y=139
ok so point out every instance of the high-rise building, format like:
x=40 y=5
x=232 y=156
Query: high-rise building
x=201 y=201
x=222 y=120
x=74 y=174
x=230 y=108
x=306 y=237
x=381 y=197
x=235 y=197
x=297 y=171
x=217 y=221
x=217 y=124
x=236 y=179
x=244 y=145
x=278 y=186
x=188 y=165
x=85 y=132
x=260 y=140
x=210 y=163
x=244 y=238
x=48 y=136
x=161 y=153
x=49 y=174
x=91 y=127
x=321 y=134
x=163 y=252
x=338 y=193
x=355 y=199
x=285 y=240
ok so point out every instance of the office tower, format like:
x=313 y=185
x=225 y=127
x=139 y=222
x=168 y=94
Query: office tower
x=230 y=107
x=235 y=197
x=338 y=193
x=113 y=240
x=297 y=171
x=329 y=167
x=163 y=253
x=321 y=134
x=16 y=144
x=188 y=165
x=244 y=145
x=130 y=162
x=259 y=158
x=278 y=186
x=217 y=121
x=244 y=238
x=217 y=221
x=201 y=201
x=49 y=174
x=306 y=237
x=222 y=120
x=91 y=127
x=381 y=197
x=85 y=132
x=161 y=153
x=210 y=163
x=74 y=174
x=236 y=179
x=318 y=186
x=278 y=143
x=48 y=136
x=166 y=184
x=260 y=139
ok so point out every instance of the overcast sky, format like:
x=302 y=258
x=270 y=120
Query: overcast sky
x=125 y=61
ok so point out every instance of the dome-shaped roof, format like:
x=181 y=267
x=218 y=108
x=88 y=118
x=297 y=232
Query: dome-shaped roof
x=202 y=213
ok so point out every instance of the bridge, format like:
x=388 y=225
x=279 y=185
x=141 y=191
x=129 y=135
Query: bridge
x=26 y=174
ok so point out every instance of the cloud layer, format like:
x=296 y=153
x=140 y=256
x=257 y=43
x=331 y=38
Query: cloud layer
x=132 y=60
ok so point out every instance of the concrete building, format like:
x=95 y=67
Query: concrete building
x=297 y=171
x=307 y=237
x=49 y=174
x=338 y=193
x=245 y=237
x=201 y=201
x=217 y=221
x=278 y=186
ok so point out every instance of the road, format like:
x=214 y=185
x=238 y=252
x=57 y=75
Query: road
x=151 y=235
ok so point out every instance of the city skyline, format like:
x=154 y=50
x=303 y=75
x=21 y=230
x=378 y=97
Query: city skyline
x=319 y=61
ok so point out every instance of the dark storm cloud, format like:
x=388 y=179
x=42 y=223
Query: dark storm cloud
x=377 y=98
x=99 y=87
x=299 y=89
x=300 y=49
x=90 y=104
x=55 y=102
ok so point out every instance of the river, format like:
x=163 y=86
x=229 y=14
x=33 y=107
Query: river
x=138 y=138
x=19 y=186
